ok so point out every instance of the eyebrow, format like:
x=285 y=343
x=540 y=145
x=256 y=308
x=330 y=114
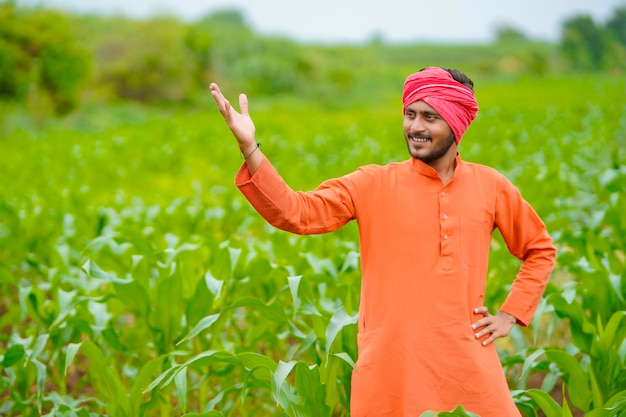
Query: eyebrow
x=424 y=112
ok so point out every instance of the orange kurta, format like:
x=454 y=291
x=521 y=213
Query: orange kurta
x=424 y=254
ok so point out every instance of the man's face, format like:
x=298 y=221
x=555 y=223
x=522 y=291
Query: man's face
x=428 y=136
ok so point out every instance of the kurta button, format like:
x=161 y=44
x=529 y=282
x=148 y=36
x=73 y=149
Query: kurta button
x=445 y=216
x=443 y=193
x=445 y=236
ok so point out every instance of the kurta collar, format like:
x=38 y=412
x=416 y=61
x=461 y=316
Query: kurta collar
x=427 y=170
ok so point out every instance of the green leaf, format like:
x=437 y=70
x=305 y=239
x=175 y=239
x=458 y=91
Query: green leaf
x=322 y=265
x=280 y=375
x=134 y=296
x=202 y=359
x=41 y=381
x=71 y=351
x=13 y=355
x=167 y=375
x=111 y=337
x=166 y=317
x=566 y=410
x=66 y=301
x=607 y=335
x=615 y=406
x=302 y=296
x=618 y=399
x=273 y=311
x=203 y=324
x=596 y=391
x=201 y=302
x=312 y=391
x=180 y=382
x=338 y=321
x=106 y=382
x=93 y=270
x=526 y=407
x=213 y=284
x=346 y=358
x=253 y=360
x=143 y=379
x=545 y=402
x=582 y=330
x=575 y=377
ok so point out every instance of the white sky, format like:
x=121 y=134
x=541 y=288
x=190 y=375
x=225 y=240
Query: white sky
x=358 y=20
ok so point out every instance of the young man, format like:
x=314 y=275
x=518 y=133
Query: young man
x=425 y=227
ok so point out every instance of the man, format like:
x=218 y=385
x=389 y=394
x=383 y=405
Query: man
x=425 y=227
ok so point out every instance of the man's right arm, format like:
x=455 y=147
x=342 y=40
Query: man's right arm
x=327 y=208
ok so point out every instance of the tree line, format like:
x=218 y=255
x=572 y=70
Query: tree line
x=63 y=58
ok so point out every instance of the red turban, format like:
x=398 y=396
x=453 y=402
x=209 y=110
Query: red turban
x=454 y=101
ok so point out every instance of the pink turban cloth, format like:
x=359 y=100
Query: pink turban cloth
x=453 y=101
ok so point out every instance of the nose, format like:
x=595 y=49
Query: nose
x=417 y=124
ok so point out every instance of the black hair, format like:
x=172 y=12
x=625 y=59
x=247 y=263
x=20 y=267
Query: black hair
x=459 y=76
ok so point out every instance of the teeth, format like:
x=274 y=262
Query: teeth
x=419 y=139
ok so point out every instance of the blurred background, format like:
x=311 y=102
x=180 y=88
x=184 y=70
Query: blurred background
x=59 y=55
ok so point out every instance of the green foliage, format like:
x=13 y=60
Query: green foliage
x=47 y=59
x=136 y=281
x=13 y=80
x=617 y=25
x=145 y=61
x=589 y=46
x=583 y=43
x=218 y=42
x=507 y=33
x=37 y=50
x=225 y=48
x=61 y=67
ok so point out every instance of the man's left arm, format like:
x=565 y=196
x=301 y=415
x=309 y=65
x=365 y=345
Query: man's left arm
x=526 y=237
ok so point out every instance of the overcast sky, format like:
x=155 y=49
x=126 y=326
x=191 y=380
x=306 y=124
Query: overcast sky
x=359 y=20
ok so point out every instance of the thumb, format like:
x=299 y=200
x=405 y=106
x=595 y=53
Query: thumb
x=243 y=104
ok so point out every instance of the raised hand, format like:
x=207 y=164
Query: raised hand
x=241 y=125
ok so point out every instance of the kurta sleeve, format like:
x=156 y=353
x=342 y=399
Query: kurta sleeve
x=527 y=239
x=323 y=210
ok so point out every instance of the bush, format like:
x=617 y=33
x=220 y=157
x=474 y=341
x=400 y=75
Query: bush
x=146 y=61
x=37 y=50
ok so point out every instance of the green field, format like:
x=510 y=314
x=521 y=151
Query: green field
x=135 y=280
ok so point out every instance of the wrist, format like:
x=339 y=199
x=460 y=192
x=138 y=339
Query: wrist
x=247 y=151
x=508 y=316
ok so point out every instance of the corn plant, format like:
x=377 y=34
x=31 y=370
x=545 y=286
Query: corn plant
x=136 y=281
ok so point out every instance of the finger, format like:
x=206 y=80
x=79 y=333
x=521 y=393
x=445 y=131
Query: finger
x=481 y=310
x=215 y=91
x=243 y=104
x=485 y=321
x=491 y=339
x=223 y=105
x=489 y=328
x=218 y=96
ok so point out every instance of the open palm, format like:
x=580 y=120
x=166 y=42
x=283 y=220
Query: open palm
x=240 y=124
